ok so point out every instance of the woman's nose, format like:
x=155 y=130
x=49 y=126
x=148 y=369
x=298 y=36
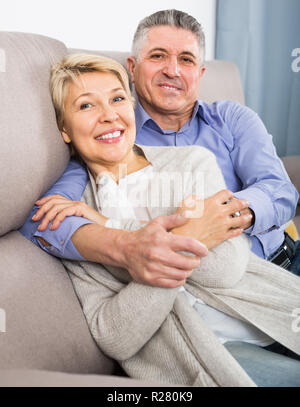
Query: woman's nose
x=107 y=114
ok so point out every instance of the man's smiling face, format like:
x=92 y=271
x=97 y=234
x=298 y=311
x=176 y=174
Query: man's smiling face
x=168 y=71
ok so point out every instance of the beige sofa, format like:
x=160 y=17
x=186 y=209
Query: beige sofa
x=46 y=339
x=292 y=165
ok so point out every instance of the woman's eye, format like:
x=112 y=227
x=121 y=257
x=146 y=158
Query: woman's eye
x=85 y=106
x=118 y=99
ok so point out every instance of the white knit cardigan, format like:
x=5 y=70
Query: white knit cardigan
x=153 y=332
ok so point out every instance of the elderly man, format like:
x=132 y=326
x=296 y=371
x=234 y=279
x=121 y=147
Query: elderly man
x=166 y=67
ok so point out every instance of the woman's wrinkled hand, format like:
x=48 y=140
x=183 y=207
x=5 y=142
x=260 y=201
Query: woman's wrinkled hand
x=55 y=208
x=211 y=220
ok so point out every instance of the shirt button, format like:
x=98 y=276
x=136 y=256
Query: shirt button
x=62 y=242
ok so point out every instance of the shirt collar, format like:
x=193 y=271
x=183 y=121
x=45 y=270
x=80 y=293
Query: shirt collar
x=141 y=116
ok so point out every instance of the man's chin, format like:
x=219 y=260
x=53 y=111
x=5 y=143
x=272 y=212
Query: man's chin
x=169 y=109
x=168 y=106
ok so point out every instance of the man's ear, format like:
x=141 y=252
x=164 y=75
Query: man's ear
x=131 y=64
x=65 y=136
x=202 y=70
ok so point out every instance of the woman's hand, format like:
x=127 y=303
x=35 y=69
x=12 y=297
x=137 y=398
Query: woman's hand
x=210 y=220
x=54 y=208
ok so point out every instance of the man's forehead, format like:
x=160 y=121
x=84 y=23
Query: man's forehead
x=171 y=38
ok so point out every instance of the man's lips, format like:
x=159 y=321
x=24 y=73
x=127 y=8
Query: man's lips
x=169 y=86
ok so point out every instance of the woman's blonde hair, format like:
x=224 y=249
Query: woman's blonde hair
x=71 y=68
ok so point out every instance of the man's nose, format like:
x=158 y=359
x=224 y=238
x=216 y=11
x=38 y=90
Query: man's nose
x=107 y=113
x=171 y=67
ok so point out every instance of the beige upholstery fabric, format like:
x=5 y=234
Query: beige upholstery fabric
x=32 y=153
x=214 y=86
x=292 y=165
x=38 y=378
x=45 y=327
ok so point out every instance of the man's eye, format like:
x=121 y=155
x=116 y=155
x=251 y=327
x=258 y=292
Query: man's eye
x=85 y=106
x=187 y=60
x=156 y=56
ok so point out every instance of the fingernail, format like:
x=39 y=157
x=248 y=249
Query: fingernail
x=203 y=245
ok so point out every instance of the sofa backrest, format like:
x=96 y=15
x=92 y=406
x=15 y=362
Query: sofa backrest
x=32 y=152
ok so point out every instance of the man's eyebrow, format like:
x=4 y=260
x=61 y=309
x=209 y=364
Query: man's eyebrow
x=166 y=51
x=157 y=49
x=188 y=53
x=95 y=93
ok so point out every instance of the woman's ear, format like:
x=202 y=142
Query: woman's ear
x=65 y=136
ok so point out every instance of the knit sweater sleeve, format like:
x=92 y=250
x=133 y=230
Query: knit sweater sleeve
x=225 y=264
x=121 y=318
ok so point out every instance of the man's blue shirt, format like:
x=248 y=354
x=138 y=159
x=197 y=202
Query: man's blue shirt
x=245 y=154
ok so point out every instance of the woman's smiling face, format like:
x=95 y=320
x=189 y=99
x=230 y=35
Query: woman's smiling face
x=99 y=120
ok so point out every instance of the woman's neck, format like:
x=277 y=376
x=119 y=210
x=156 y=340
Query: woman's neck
x=120 y=170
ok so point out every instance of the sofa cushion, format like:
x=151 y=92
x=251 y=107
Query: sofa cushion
x=45 y=327
x=40 y=378
x=292 y=166
x=32 y=153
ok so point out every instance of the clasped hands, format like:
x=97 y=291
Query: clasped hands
x=152 y=255
x=214 y=220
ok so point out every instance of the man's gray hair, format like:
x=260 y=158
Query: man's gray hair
x=173 y=18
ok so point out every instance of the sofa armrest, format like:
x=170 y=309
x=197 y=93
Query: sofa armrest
x=292 y=166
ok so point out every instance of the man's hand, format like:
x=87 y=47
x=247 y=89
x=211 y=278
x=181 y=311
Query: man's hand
x=150 y=253
x=211 y=221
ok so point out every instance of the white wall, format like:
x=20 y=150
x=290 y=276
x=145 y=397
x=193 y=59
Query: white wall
x=98 y=24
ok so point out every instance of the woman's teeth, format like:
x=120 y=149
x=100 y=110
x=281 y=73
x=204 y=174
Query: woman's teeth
x=109 y=135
